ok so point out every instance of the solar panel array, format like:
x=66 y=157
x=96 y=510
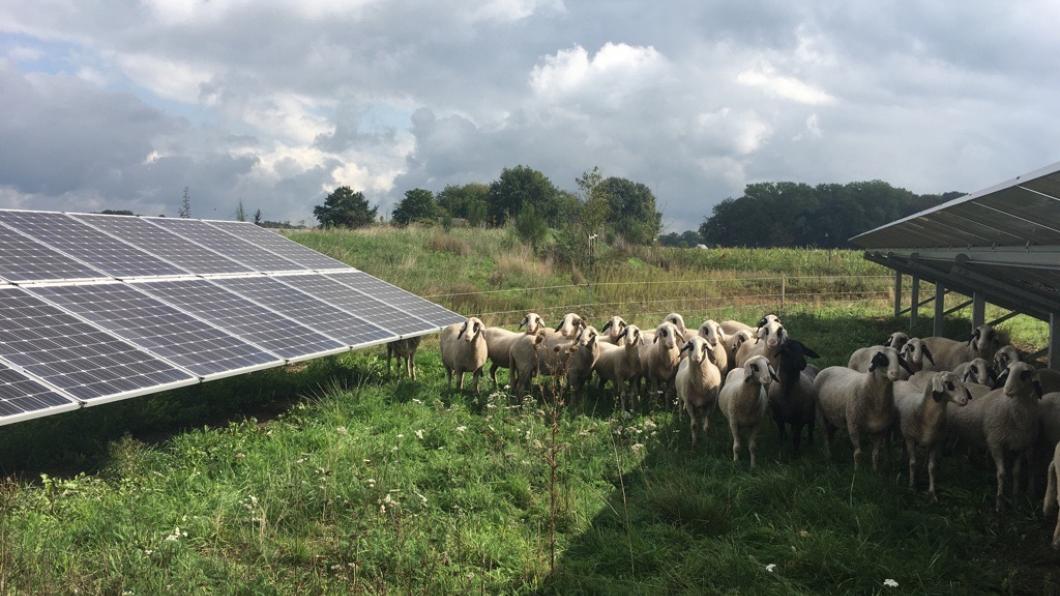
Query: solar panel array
x=96 y=308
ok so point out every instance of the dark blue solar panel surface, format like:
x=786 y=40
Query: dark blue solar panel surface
x=395 y=296
x=24 y=260
x=278 y=244
x=22 y=397
x=349 y=299
x=213 y=238
x=158 y=328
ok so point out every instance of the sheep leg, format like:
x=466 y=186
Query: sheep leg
x=910 y=448
x=855 y=440
x=474 y=380
x=1030 y=472
x=998 y=453
x=692 y=423
x=751 y=440
x=493 y=373
x=412 y=365
x=735 y=430
x=829 y=434
x=449 y=377
x=878 y=442
x=932 y=455
x=1050 y=504
x=1017 y=473
x=460 y=380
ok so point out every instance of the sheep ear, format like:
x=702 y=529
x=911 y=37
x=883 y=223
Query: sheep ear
x=655 y=340
x=463 y=329
x=522 y=323
x=927 y=354
x=710 y=356
x=606 y=326
x=688 y=346
x=560 y=326
x=773 y=373
x=905 y=365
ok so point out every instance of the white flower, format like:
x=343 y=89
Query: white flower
x=419 y=434
x=890 y=583
x=771 y=567
x=417 y=401
x=638 y=446
x=342 y=430
x=461 y=429
x=401 y=436
x=176 y=535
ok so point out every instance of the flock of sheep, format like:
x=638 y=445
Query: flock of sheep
x=927 y=390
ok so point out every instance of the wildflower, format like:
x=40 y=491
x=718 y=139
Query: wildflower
x=649 y=424
x=241 y=456
x=342 y=430
x=419 y=434
x=401 y=436
x=461 y=429
x=417 y=401
x=771 y=567
x=177 y=534
x=638 y=446
x=890 y=583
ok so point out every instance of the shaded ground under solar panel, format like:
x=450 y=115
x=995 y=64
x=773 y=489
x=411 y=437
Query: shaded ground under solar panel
x=395 y=296
x=160 y=329
x=245 y=319
x=161 y=243
x=87 y=244
x=85 y=362
x=280 y=245
x=347 y=298
x=323 y=317
x=22 y=398
x=25 y=260
x=213 y=238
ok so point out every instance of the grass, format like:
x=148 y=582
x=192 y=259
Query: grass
x=334 y=477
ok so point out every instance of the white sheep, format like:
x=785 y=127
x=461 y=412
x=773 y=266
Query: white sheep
x=1010 y=423
x=922 y=417
x=732 y=327
x=525 y=359
x=719 y=343
x=678 y=321
x=612 y=329
x=744 y=400
x=463 y=350
x=405 y=351
x=570 y=325
x=733 y=345
x=861 y=402
x=977 y=371
x=620 y=363
x=949 y=353
x=698 y=382
x=659 y=359
x=896 y=340
x=1052 y=499
x=499 y=342
x=582 y=357
x=1005 y=356
x=768 y=339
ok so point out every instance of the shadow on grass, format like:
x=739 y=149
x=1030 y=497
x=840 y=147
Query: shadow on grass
x=689 y=521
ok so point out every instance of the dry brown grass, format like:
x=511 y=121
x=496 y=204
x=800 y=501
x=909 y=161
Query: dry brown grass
x=442 y=242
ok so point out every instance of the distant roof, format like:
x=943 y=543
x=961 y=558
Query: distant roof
x=1018 y=212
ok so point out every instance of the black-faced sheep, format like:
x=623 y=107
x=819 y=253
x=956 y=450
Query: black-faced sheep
x=792 y=399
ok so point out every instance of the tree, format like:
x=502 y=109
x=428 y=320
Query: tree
x=257 y=217
x=345 y=208
x=632 y=207
x=241 y=213
x=185 y=205
x=518 y=187
x=417 y=206
x=116 y=212
x=686 y=239
x=531 y=226
x=467 y=201
x=595 y=209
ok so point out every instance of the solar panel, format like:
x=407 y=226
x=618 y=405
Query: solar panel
x=89 y=245
x=22 y=398
x=305 y=309
x=243 y=318
x=278 y=244
x=25 y=260
x=85 y=362
x=395 y=296
x=213 y=238
x=159 y=328
x=173 y=248
x=368 y=308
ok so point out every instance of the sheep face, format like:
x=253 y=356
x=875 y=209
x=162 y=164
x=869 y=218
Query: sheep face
x=470 y=330
x=759 y=371
x=773 y=332
x=915 y=352
x=667 y=334
x=985 y=341
x=533 y=323
x=945 y=386
x=630 y=336
x=886 y=362
x=1021 y=379
x=676 y=320
x=570 y=325
x=897 y=340
x=587 y=336
x=710 y=331
x=698 y=350
x=979 y=372
x=614 y=327
x=738 y=338
x=1005 y=356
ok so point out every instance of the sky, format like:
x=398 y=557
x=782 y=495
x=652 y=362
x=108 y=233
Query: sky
x=121 y=105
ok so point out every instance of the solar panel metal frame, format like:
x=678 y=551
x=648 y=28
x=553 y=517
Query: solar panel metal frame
x=129 y=250
x=273 y=278
x=118 y=396
x=91 y=219
x=172 y=225
x=70 y=405
x=277 y=361
x=151 y=287
x=230 y=227
x=459 y=317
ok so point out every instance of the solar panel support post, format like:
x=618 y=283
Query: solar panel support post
x=914 y=305
x=978 y=309
x=897 y=294
x=940 y=310
x=1054 y=341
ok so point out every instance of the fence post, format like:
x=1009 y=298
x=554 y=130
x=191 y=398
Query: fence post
x=914 y=306
x=783 y=290
x=897 y=294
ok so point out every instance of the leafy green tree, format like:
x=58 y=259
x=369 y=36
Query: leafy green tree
x=595 y=206
x=116 y=212
x=345 y=208
x=686 y=239
x=518 y=187
x=418 y=205
x=531 y=226
x=466 y=201
x=632 y=210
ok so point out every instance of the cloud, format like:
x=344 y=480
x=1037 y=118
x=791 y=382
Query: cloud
x=787 y=87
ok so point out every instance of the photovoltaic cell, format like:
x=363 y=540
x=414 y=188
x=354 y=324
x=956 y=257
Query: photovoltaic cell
x=305 y=309
x=172 y=248
x=83 y=361
x=22 y=398
x=24 y=260
x=349 y=299
x=213 y=238
x=278 y=244
x=395 y=296
x=87 y=244
x=243 y=318
x=158 y=328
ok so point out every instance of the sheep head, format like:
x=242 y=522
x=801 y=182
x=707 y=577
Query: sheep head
x=772 y=331
x=759 y=371
x=678 y=321
x=1021 y=379
x=886 y=361
x=711 y=331
x=739 y=338
x=668 y=334
x=698 y=350
x=897 y=340
x=915 y=352
x=985 y=341
x=533 y=323
x=791 y=358
x=470 y=330
x=979 y=372
x=945 y=386
x=1005 y=356
x=614 y=326
x=570 y=325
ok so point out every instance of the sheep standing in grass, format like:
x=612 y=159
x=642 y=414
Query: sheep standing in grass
x=1010 y=423
x=711 y=331
x=744 y=400
x=768 y=339
x=698 y=382
x=861 y=402
x=405 y=351
x=792 y=399
x=464 y=350
x=582 y=357
x=659 y=360
x=678 y=321
x=525 y=357
x=949 y=353
x=1052 y=499
x=732 y=327
x=612 y=329
x=620 y=363
x=922 y=417
x=499 y=342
